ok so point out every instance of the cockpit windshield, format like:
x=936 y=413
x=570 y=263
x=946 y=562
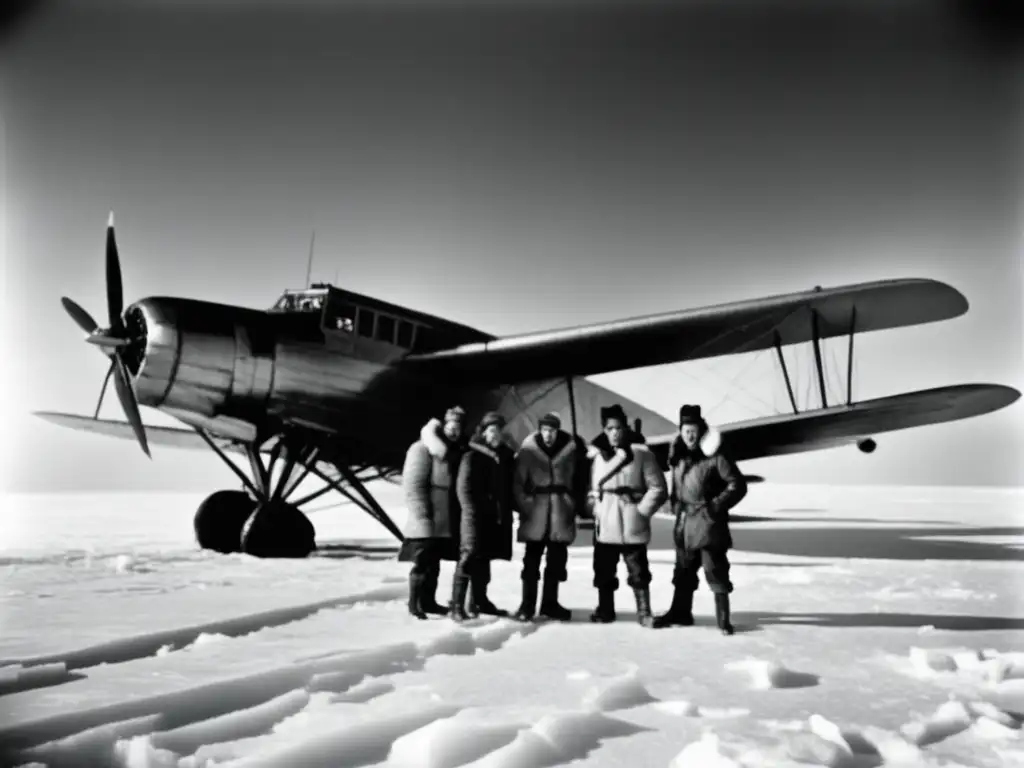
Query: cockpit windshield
x=356 y=318
x=301 y=301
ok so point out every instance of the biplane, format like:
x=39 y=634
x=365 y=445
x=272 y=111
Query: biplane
x=335 y=385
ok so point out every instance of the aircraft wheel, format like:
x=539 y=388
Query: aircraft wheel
x=219 y=520
x=278 y=529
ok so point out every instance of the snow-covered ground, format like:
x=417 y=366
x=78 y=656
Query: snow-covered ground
x=875 y=626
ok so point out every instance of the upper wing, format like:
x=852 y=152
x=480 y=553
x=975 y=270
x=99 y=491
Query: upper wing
x=692 y=334
x=842 y=425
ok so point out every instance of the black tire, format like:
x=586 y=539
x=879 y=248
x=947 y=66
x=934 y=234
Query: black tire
x=218 y=521
x=277 y=529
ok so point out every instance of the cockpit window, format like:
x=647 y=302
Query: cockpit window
x=311 y=303
x=366 y=322
x=405 y=329
x=385 y=329
x=343 y=318
x=300 y=302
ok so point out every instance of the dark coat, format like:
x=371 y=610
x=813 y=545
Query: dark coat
x=704 y=486
x=428 y=478
x=484 y=489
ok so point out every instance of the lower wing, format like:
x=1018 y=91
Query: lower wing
x=744 y=440
x=847 y=424
x=174 y=437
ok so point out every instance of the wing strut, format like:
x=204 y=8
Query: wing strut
x=816 y=340
x=365 y=501
x=231 y=465
x=785 y=372
x=332 y=485
x=572 y=404
x=817 y=356
x=371 y=505
x=849 y=357
x=307 y=460
x=259 y=472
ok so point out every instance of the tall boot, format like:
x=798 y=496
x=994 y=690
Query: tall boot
x=605 y=612
x=643 y=607
x=528 y=608
x=481 y=603
x=415 y=592
x=457 y=607
x=680 y=613
x=549 y=606
x=722 y=613
x=428 y=598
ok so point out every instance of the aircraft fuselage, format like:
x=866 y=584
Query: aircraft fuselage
x=245 y=372
x=220 y=361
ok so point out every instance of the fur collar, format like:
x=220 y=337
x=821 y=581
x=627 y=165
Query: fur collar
x=708 y=444
x=495 y=454
x=619 y=454
x=604 y=448
x=563 y=444
x=432 y=436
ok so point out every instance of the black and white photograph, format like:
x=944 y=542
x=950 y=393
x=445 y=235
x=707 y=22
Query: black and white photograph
x=512 y=383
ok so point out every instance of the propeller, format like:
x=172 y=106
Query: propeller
x=112 y=340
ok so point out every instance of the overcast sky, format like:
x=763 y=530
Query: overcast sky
x=515 y=168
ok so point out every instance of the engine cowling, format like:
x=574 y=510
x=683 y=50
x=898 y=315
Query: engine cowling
x=199 y=356
x=199 y=360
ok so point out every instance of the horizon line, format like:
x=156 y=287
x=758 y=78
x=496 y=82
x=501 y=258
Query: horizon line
x=832 y=486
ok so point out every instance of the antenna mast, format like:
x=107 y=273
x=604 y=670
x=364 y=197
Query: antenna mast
x=309 y=264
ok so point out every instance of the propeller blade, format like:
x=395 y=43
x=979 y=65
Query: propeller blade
x=126 y=394
x=115 y=293
x=79 y=315
x=108 y=342
x=103 y=389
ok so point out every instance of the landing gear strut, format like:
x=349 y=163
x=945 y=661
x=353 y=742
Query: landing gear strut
x=260 y=520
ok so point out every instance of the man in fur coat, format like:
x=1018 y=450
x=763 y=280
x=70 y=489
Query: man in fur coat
x=484 y=488
x=550 y=491
x=432 y=525
x=626 y=489
x=705 y=485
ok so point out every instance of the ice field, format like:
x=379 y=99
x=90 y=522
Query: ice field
x=874 y=626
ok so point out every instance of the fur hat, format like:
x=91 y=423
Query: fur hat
x=550 y=420
x=613 y=412
x=690 y=414
x=455 y=413
x=491 y=418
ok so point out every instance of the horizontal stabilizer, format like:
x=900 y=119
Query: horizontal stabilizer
x=693 y=334
x=846 y=424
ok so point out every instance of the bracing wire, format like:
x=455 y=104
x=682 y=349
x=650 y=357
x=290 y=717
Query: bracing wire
x=740 y=391
x=810 y=384
x=756 y=357
x=723 y=334
x=839 y=395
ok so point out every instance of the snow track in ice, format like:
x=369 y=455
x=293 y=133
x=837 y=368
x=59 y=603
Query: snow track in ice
x=138 y=646
x=228 y=710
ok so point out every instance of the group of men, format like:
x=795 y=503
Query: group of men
x=463 y=490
